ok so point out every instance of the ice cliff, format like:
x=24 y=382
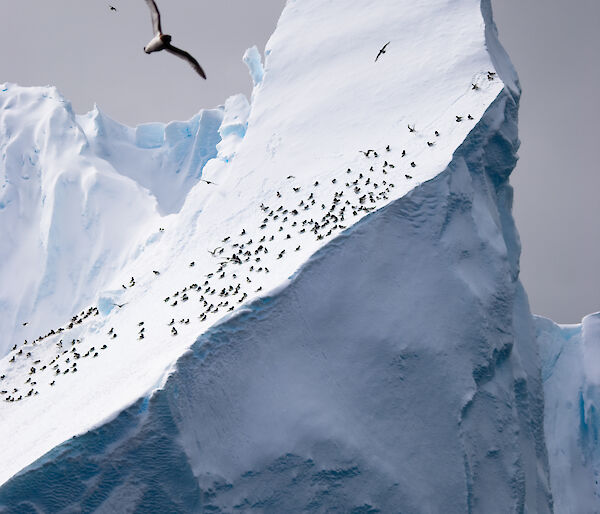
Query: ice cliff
x=306 y=302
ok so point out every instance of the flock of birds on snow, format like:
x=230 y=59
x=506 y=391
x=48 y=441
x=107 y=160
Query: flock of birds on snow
x=294 y=214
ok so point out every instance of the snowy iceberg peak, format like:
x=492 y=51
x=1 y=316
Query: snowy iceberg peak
x=77 y=195
x=56 y=231
x=166 y=159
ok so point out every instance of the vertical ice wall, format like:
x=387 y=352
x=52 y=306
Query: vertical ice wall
x=571 y=373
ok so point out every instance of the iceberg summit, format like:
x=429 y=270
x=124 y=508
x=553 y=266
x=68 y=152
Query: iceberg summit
x=305 y=302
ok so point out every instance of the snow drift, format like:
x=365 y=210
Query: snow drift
x=317 y=306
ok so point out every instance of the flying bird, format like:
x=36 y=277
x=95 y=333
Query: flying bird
x=162 y=41
x=382 y=51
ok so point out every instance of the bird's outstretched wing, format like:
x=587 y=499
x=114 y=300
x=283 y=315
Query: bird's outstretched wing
x=184 y=55
x=155 y=16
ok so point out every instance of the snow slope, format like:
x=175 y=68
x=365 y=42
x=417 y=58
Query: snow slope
x=570 y=356
x=357 y=333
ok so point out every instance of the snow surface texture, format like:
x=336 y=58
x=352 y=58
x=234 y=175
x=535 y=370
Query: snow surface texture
x=570 y=355
x=382 y=356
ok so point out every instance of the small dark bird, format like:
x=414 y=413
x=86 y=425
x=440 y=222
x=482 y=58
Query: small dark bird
x=120 y=305
x=382 y=51
x=413 y=165
x=437 y=133
x=156 y=272
x=26 y=323
x=408 y=177
x=459 y=119
x=162 y=41
x=429 y=143
x=474 y=87
x=208 y=181
x=112 y=8
x=411 y=129
x=469 y=117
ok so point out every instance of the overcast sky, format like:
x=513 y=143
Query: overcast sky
x=94 y=55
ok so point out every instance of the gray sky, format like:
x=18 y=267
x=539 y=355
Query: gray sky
x=554 y=45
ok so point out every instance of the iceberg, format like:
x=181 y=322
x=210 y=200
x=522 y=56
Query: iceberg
x=305 y=302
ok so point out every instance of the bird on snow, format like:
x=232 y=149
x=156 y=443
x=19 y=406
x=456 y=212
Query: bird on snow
x=112 y=8
x=162 y=41
x=382 y=51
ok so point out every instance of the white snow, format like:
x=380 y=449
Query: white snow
x=90 y=209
